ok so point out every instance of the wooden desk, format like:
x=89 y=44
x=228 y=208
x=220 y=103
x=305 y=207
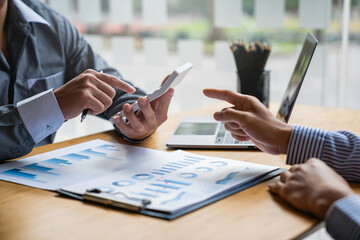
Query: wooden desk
x=28 y=213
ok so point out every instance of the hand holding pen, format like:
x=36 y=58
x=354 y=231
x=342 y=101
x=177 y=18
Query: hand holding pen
x=85 y=111
x=90 y=90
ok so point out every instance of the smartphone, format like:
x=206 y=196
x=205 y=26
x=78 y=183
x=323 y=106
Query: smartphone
x=174 y=79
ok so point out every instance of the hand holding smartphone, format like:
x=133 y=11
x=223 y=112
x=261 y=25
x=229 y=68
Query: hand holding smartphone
x=175 y=78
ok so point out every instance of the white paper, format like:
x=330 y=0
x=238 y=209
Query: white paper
x=270 y=14
x=315 y=14
x=224 y=57
x=227 y=13
x=121 y=11
x=156 y=51
x=123 y=49
x=175 y=180
x=171 y=180
x=154 y=11
x=67 y=166
x=90 y=11
x=191 y=51
x=64 y=7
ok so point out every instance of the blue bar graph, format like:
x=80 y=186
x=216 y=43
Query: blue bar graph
x=57 y=161
x=23 y=175
x=163 y=171
x=192 y=157
x=156 y=190
x=170 y=169
x=179 y=164
x=165 y=186
x=157 y=173
x=36 y=167
x=173 y=166
x=173 y=181
x=187 y=162
x=74 y=156
x=108 y=147
x=191 y=160
x=93 y=153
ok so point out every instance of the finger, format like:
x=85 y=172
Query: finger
x=112 y=81
x=131 y=117
x=237 y=131
x=163 y=106
x=147 y=111
x=277 y=188
x=240 y=138
x=284 y=176
x=102 y=97
x=162 y=83
x=106 y=88
x=232 y=115
x=225 y=95
x=232 y=125
x=295 y=168
x=95 y=106
x=123 y=127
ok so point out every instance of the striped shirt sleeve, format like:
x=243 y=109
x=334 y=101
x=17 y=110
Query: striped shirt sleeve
x=340 y=150
x=343 y=218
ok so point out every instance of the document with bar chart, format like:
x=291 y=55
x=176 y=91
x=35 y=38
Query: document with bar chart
x=172 y=183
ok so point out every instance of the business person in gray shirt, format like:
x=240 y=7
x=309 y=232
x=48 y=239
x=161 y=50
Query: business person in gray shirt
x=49 y=74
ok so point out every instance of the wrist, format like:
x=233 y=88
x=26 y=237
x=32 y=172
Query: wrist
x=323 y=204
x=285 y=135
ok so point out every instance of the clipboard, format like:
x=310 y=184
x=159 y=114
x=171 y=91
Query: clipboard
x=92 y=197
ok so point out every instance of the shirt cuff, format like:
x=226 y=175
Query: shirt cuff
x=41 y=115
x=343 y=218
x=305 y=143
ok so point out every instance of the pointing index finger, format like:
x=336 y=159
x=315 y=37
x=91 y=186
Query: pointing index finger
x=226 y=95
x=114 y=82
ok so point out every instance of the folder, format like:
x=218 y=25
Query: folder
x=141 y=209
x=151 y=182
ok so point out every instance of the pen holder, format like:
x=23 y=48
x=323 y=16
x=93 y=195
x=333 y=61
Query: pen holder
x=256 y=84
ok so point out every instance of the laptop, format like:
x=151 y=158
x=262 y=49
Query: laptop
x=205 y=132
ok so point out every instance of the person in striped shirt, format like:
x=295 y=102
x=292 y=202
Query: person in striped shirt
x=321 y=160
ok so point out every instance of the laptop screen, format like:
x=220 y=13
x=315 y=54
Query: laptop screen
x=297 y=78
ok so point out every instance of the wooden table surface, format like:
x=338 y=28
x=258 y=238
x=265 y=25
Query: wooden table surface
x=29 y=213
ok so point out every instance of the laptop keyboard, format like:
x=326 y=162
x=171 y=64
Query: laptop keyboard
x=224 y=137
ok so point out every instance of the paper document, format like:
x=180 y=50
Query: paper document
x=171 y=181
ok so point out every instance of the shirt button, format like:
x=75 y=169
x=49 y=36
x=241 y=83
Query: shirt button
x=49 y=128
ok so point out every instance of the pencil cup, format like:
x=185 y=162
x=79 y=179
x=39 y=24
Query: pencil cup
x=256 y=84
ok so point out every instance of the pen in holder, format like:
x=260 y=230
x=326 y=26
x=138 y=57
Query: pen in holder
x=252 y=79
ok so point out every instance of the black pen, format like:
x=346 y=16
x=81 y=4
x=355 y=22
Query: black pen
x=85 y=111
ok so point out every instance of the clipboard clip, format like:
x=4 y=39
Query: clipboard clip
x=92 y=195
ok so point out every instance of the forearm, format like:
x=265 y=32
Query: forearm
x=343 y=218
x=305 y=143
x=340 y=150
